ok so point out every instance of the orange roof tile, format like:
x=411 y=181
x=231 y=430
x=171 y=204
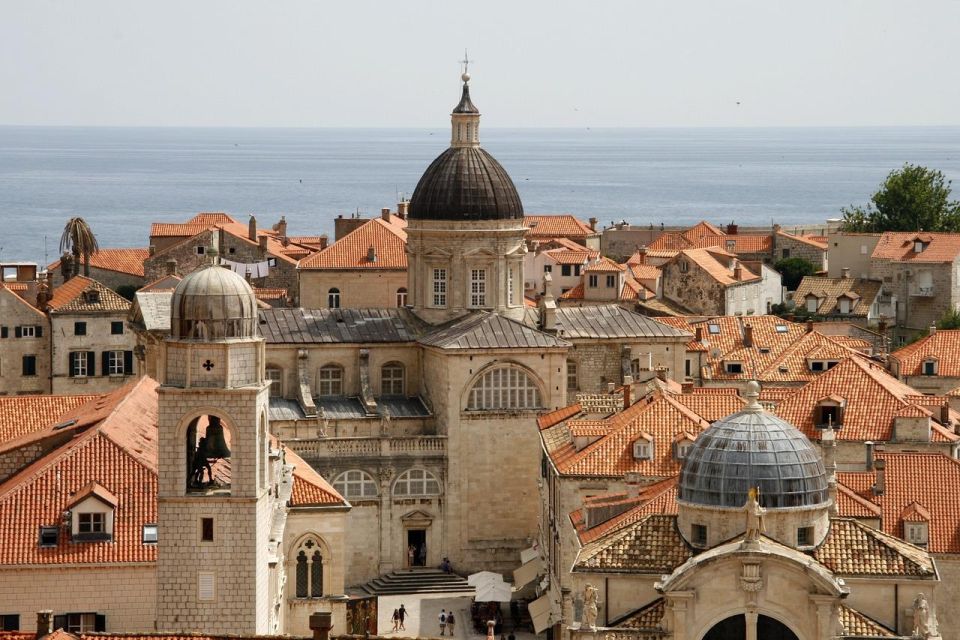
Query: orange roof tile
x=24 y=415
x=712 y=403
x=656 y=498
x=943 y=344
x=8 y=290
x=605 y=265
x=67 y=298
x=389 y=241
x=670 y=242
x=556 y=226
x=738 y=243
x=852 y=548
x=702 y=229
x=819 y=242
x=643 y=271
x=575 y=293
x=650 y=545
x=121 y=260
x=166 y=283
x=862 y=294
x=851 y=505
x=309 y=487
x=709 y=260
x=899 y=246
x=571 y=256
x=212 y=217
x=557 y=416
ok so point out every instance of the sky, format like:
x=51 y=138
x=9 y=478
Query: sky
x=357 y=63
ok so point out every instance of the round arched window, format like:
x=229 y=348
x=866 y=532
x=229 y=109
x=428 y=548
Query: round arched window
x=416 y=482
x=504 y=388
x=356 y=484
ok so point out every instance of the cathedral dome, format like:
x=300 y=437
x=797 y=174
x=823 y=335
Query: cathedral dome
x=753 y=448
x=465 y=182
x=213 y=303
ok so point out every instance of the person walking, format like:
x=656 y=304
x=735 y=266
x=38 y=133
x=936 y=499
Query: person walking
x=402 y=613
x=423 y=554
x=450 y=622
x=443 y=621
x=411 y=555
x=396 y=620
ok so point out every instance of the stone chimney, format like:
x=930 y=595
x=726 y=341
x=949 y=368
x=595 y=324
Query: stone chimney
x=152 y=249
x=732 y=229
x=879 y=483
x=642 y=254
x=252 y=228
x=662 y=373
x=43 y=294
x=777 y=228
x=263 y=244
x=686 y=387
x=809 y=326
x=611 y=387
x=869 y=448
x=372 y=250
x=627 y=386
x=44 y=623
x=593 y=224
x=737 y=271
x=698 y=334
x=403 y=208
x=845 y=272
x=281 y=227
x=933 y=330
x=171 y=267
x=548 y=307
x=385 y=214
x=748 y=335
x=320 y=624
x=632 y=480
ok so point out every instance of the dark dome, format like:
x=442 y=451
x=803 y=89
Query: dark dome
x=753 y=448
x=465 y=183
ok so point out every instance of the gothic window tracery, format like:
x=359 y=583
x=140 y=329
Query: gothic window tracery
x=309 y=569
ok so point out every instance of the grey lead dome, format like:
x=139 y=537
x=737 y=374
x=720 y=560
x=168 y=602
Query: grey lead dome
x=213 y=303
x=753 y=448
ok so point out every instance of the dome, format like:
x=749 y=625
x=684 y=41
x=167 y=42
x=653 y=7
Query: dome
x=465 y=183
x=213 y=303
x=753 y=448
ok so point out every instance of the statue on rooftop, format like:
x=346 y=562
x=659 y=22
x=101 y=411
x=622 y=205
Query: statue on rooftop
x=755 y=515
x=924 y=622
x=590 y=610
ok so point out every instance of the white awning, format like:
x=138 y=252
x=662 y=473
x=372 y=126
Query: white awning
x=540 y=613
x=494 y=592
x=527 y=573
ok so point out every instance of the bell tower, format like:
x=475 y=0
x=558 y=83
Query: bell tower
x=214 y=506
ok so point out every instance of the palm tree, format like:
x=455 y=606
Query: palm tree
x=79 y=240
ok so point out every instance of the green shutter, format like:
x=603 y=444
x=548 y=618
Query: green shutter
x=72 y=362
x=105 y=363
x=91 y=363
x=39 y=330
x=128 y=363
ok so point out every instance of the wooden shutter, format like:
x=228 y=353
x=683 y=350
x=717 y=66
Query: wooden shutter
x=91 y=363
x=72 y=362
x=128 y=363
x=59 y=622
x=105 y=362
x=39 y=330
x=3 y=332
x=18 y=332
x=100 y=624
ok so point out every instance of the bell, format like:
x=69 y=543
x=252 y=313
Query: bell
x=215 y=446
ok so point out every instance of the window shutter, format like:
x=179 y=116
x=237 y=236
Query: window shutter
x=39 y=331
x=128 y=363
x=91 y=363
x=101 y=623
x=3 y=332
x=18 y=332
x=59 y=622
x=105 y=363
x=72 y=362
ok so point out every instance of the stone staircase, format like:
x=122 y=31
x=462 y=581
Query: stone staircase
x=419 y=580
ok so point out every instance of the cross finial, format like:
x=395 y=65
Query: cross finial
x=466 y=65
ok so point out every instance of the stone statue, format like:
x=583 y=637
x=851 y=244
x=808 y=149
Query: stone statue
x=590 y=607
x=755 y=515
x=924 y=623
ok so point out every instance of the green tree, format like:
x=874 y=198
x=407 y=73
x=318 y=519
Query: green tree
x=79 y=240
x=912 y=198
x=793 y=271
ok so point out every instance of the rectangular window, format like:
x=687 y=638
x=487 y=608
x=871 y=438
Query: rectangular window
x=571 y=376
x=593 y=280
x=275 y=378
x=577 y=268
x=699 y=535
x=930 y=368
x=206 y=586
x=916 y=532
x=439 y=287
x=478 y=287
x=734 y=367
x=91 y=523
x=114 y=363
x=79 y=328
x=27 y=331
x=206 y=529
x=548 y=268
x=611 y=282
x=81 y=364
x=116 y=328
x=49 y=536
x=510 y=286
x=29 y=365
x=565 y=270
x=804 y=536
x=786 y=253
x=10 y=622
x=150 y=533
x=84 y=622
x=686 y=368
x=201 y=250
x=3 y=332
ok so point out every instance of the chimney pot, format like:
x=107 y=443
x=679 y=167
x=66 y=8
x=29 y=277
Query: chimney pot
x=323 y=241
x=44 y=623
x=263 y=243
x=402 y=208
x=869 y=447
x=732 y=229
x=748 y=335
x=252 y=228
x=385 y=214
x=686 y=387
x=933 y=329
x=845 y=272
x=611 y=387
x=320 y=623
x=593 y=224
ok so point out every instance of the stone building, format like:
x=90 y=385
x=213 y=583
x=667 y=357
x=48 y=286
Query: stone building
x=365 y=268
x=715 y=282
x=562 y=260
x=851 y=251
x=726 y=549
x=24 y=346
x=844 y=298
x=112 y=267
x=92 y=346
x=543 y=228
x=931 y=364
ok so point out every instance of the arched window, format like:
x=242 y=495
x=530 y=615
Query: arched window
x=330 y=380
x=416 y=482
x=275 y=378
x=402 y=297
x=504 y=388
x=333 y=298
x=207 y=447
x=391 y=379
x=309 y=578
x=356 y=484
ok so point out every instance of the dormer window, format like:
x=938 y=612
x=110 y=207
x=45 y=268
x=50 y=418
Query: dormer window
x=49 y=536
x=813 y=303
x=916 y=533
x=918 y=246
x=643 y=449
x=930 y=367
x=682 y=447
x=828 y=413
x=733 y=367
x=822 y=365
x=844 y=305
x=93 y=297
x=92 y=513
x=731 y=245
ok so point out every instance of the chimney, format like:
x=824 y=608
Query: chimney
x=662 y=373
x=252 y=229
x=627 y=384
x=642 y=251
x=845 y=272
x=686 y=387
x=403 y=208
x=323 y=241
x=632 y=481
x=372 y=250
x=171 y=267
x=748 y=335
x=44 y=623
x=385 y=214
x=732 y=229
x=263 y=243
x=879 y=484
x=777 y=228
x=698 y=334
x=320 y=623
x=611 y=387
x=933 y=329
x=869 y=445
x=43 y=294
x=737 y=271
x=282 y=227
x=809 y=326
x=152 y=249
x=593 y=224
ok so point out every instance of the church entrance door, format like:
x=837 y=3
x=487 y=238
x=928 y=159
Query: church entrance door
x=416 y=547
x=735 y=628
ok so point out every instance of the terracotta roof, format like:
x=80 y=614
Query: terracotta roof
x=551 y=418
x=645 y=618
x=556 y=226
x=872 y=400
x=669 y=242
x=270 y=294
x=571 y=256
x=650 y=545
x=851 y=505
x=177 y=230
x=738 y=243
x=309 y=487
x=819 y=242
x=702 y=229
x=68 y=298
x=659 y=498
x=852 y=548
x=212 y=217
x=858 y=625
x=389 y=241
x=643 y=271
x=121 y=260
x=898 y=246
x=862 y=294
x=605 y=265
x=165 y=283
x=575 y=293
x=914 y=488
x=119 y=453
x=8 y=290
x=709 y=260
x=943 y=344
x=712 y=403
x=24 y=415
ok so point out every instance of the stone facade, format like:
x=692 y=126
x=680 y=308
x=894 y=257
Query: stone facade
x=108 y=278
x=851 y=251
x=924 y=292
x=788 y=246
x=358 y=289
x=24 y=346
x=99 y=338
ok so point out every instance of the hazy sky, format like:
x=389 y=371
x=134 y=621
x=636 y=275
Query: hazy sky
x=552 y=63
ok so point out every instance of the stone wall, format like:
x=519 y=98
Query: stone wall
x=98 y=339
x=786 y=246
x=110 y=279
x=918 y=312
x=359 y=288
x=329 y=527
x=601 y=362
x=693 y=290
x=14 y=313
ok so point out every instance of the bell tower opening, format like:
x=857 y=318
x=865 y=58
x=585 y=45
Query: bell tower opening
x=208 y=457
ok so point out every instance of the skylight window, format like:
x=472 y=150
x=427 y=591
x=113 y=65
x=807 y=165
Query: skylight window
x=782 y=328
x=713 y=328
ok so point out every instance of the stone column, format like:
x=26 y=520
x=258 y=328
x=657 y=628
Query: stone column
x=825 y=606
x=387 y=543
x=751 y=618
x=681 y=602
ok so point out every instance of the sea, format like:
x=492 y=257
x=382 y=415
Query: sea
x=122 y=179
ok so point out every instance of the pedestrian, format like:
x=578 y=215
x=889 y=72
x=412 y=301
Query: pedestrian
x=443 y=621
x=396 y=620
x=402 y=611
x=491 y=625
x=450 y=622
x=423 y=554
x=445 y=566
x=411 y=555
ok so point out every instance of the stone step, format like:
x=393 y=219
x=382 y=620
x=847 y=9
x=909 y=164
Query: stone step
x=420 y=580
